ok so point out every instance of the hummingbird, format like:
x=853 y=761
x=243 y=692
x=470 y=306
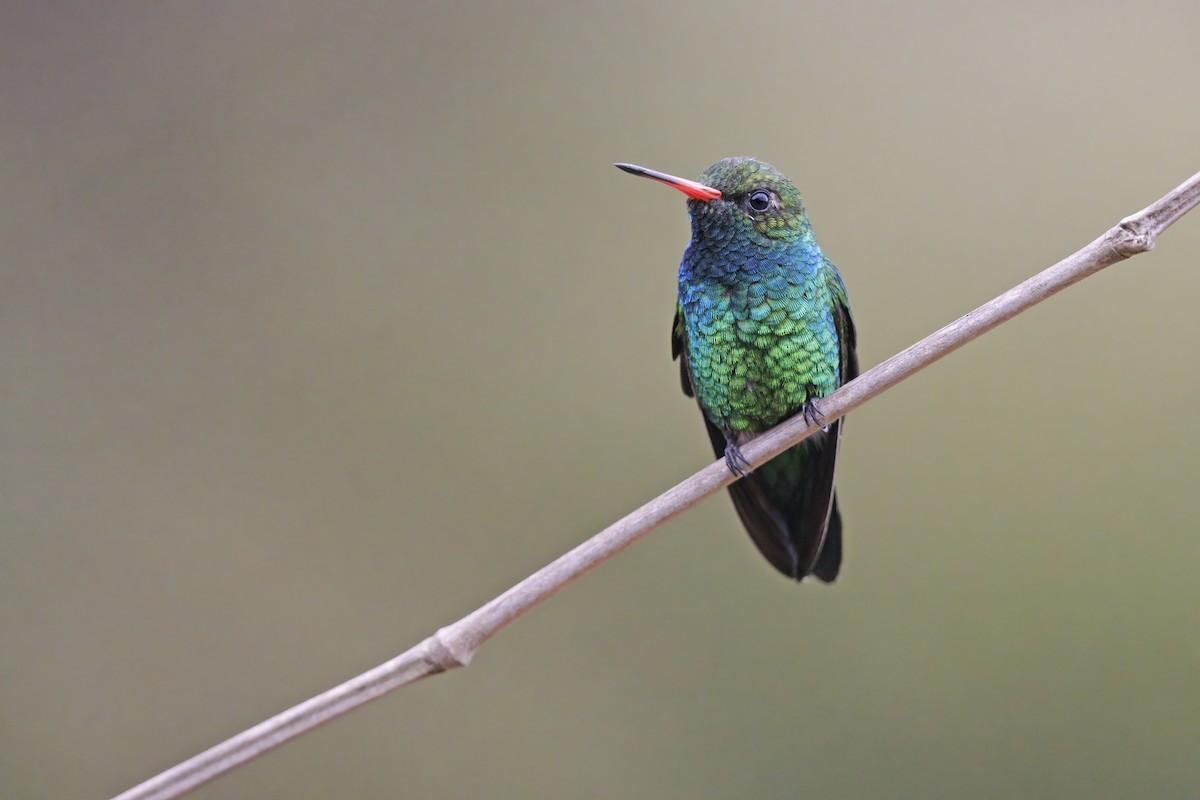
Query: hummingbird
x=762 y=331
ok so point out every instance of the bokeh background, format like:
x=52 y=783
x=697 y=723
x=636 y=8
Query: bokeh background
x=323 y=323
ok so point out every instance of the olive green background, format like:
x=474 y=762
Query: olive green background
x=323 y=323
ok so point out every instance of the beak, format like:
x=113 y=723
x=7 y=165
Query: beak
x=694 y=190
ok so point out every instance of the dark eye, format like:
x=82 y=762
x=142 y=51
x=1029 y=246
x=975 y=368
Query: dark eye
x=759 y=201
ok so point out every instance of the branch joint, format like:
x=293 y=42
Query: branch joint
x=443 y=651
x=1133 y=236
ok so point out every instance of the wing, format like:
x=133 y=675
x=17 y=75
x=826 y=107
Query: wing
x=829 y=559
x=679 y=351
x=843 y=323
x=825 y=461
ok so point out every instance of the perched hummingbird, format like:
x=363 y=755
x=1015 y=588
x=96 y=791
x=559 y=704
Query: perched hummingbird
x=762 y=329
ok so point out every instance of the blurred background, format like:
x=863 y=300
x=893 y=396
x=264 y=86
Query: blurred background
x=322 y=324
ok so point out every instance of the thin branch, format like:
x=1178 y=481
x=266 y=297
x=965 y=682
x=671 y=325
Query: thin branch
x=455 y=645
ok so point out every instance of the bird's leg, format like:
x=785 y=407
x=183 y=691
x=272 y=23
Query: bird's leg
x=736 y=462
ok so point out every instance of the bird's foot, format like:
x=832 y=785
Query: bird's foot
x=812 y=412
x=736 y=462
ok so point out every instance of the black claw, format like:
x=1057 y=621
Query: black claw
x=811 y=412
x=736 y=462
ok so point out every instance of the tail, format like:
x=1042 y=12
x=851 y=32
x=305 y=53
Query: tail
x=789 y=508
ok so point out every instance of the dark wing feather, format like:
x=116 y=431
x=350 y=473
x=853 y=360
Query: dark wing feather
x=679 y=351
x=830 y=559
x=843 y=323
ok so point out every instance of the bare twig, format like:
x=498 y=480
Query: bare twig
x=455 y=645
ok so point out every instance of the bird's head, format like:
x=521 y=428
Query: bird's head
x=739 y=197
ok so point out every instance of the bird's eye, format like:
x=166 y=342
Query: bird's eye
x=759 y=201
